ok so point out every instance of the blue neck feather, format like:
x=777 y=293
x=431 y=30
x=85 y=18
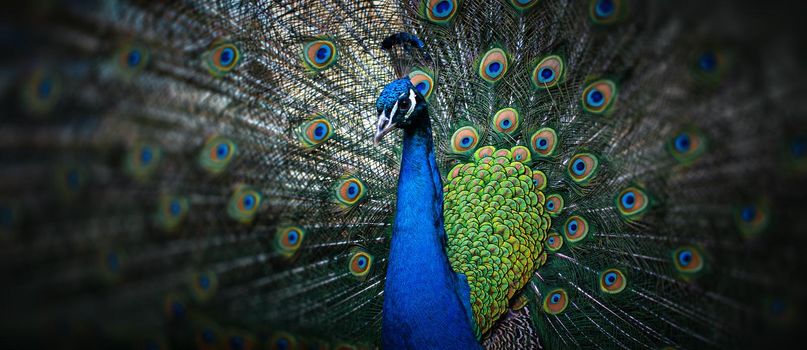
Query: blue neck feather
x=426 y=305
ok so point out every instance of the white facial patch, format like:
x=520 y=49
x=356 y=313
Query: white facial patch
x=411 y=105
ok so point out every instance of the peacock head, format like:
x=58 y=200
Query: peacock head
x=399 y=105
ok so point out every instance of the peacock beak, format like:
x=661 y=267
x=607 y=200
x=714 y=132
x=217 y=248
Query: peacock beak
x=383 y=126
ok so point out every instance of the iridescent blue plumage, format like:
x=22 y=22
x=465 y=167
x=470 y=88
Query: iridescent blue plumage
x=426 y=306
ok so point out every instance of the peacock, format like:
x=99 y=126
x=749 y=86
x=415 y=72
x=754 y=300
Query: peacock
x=399 y=174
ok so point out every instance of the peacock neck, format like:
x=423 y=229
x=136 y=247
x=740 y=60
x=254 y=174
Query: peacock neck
x=424 y=303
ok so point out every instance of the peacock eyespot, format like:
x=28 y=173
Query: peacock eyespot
x=595 y=98
x=222 y=150
x=244 y=204
x=493 y=65
x=751 y=218
x=440 y=11
x=707 y=62
x=686 y=145
x=142 y=160
x=748 y=213
x=349 y=191
x=632 y=202
x=131 y=58
x=41 y=91
x=554 y=242
x=216 y=154
x=505 y=121
x=582 y=167
x=204 y=285
x=520 y=154
x=227 y=56
x=423 y=83
x=579 y=166
x=628 y=200
x=422 y=87
x=283 y=341
x=682 y=142
x=146 y=155
x=606 y=11
x=464 y=140
x=323 y=53
x=687 y=259
x=710 y=65
x=543 y=142
x=248 y=201
x=174 y=307
x=360 y=263
x=320 y=130
x=555 y=301
x=70 y=180
x=612 y=281
x=319 y=54
x=599 y=96
x=554 y=204
x=44 y=88
x=604 y=7
x=204 y=282
x=222 y=58
x=575 y=229
x=539 y=180
x=173 y=210
x=548 y=72
x=315 y=132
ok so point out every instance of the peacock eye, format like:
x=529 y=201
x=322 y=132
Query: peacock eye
x=222 y=58
x=612 y=281
x=555 y=301
x=548 y=72
x=576 y=228
x=632 y=202
x=582 y=167
x=288 y=240
x=544 y=141
x=687 y=145
x=404 y=104
x=688 y=259
x=423 y=83
x=599 y=96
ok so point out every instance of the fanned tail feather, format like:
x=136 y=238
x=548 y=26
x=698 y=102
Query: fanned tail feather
x=203 y=174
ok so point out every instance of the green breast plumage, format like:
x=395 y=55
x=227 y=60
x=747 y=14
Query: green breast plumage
x=496 y=228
